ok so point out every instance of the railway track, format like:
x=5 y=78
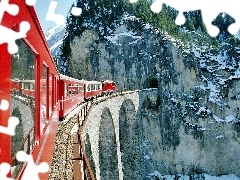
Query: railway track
x=62 y=162
x=61 y=167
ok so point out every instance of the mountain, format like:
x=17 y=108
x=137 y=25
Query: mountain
x=55 y=37
x=196 y=109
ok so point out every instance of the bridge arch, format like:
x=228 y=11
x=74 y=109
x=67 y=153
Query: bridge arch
x=129 y=140
x=108 y=158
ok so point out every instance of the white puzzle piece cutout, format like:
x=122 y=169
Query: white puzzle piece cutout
x=76 y=11
x=31 y=170
x=8 y=35
x=30 y=2
x=4 y=105
x=59 y=19
x=4 y=170
x=210 y=10
x=12 y=123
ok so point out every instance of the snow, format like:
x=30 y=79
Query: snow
x=174 y=100
x=238 y=35
x=224 y=177
x=147 y=157
x=220 y=137
x=204 y=110
x=56 y=45
x=52 y=31
x=218 y=119
x=185 y=177
x=115 y=37
x=227 y=119
x=55 y=37
x=230 y=118
x=196 y=51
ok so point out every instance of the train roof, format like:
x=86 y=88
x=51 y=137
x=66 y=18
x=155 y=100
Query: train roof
x=92 y=82
x=64 y=77
x=108 y=81
x=28 y=80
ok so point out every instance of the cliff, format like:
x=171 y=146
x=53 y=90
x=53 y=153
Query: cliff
x=192 y=125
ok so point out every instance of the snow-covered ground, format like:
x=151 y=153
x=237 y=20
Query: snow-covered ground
x=156 y=174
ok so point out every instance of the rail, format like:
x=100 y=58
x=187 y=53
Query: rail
x=81 y=166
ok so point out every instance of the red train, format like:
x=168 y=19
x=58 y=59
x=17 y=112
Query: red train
x=39 y=96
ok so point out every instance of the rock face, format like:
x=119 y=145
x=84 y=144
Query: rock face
x=192 y=125
x=127 y=57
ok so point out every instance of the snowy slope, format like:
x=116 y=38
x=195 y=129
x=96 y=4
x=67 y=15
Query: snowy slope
x=54 y=37
x=238 y=35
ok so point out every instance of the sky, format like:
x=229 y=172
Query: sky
x=41 y=8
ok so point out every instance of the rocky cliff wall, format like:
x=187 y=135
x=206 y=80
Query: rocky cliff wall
x=191 y=125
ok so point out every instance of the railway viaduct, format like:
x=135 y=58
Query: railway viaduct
x=111 y=135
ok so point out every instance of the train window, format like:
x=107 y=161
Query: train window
x=26 y=86
x=22 y=85
x=44 y=91
x=70 y=89
x=65 y=90
x=51 y=95
x=88 y=87
x=74 y=89
x=31 y=86
x=22 y=103
x=81 y=88
x=56 y=87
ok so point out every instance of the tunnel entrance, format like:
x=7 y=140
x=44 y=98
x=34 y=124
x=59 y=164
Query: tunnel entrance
x=150 y=83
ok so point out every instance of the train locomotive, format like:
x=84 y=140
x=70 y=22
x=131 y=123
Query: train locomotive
x=37 y=94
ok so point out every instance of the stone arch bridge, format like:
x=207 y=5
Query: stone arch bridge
x=111 y=135
x=138 y=136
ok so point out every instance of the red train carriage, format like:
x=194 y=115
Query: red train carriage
x=27 y=87
x=23 y=87
x=32 y=65
x=108 y=87
x=15 y=86
x=92 y=89
x=71 y=93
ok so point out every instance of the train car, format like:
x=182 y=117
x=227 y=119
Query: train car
x=71 y=93
x=108 y=87
x=27 y=87
x=92 y=89
x=15 y=86
x=38 y=118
